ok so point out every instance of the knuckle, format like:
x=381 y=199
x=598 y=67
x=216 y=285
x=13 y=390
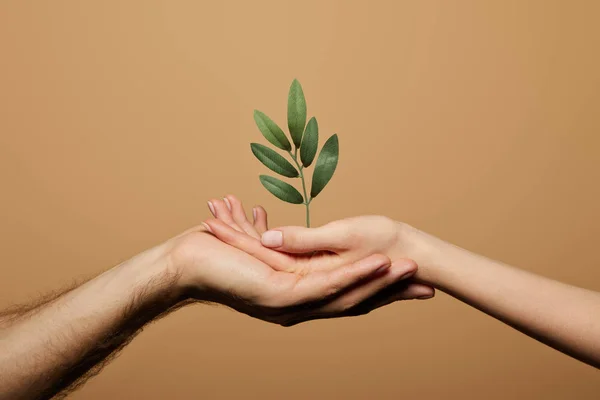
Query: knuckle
x=185 y=248
x=293 y=239
x=352 y=238
x=380 y=259
x=410 y=265
x=238 y=239
x=381 y=221
x=235 y=240
x=386 y=225
x=404 y=269
x=389 y=229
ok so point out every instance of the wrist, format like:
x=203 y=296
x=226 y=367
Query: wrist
x=154 y=273
x=190 y=256
x=432 y=255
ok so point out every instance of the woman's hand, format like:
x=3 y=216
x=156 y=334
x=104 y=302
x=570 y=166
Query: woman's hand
x=555 y=313
x=332 y=252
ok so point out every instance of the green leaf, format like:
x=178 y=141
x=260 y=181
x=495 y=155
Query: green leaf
x=281 y=190
x=296 y=112
x=310 y=141
x=274 y=161
x=325 y=167
x=271 y=131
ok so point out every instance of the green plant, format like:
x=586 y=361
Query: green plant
x=305 y=140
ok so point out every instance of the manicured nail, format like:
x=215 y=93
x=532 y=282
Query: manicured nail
x=254 y=213
x=272 y=238
x=207 y=227
x=226 y=200
x=427 y=296
x=212 y=209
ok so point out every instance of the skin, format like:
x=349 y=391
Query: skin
x=560 y=315
x=50 y=347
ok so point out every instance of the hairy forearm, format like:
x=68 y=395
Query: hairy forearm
x=563 y=316
x=49 y=347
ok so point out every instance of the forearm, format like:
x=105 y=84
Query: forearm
x=48 y=348
x=560 y=315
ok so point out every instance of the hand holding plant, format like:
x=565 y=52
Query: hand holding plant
x=379 y=288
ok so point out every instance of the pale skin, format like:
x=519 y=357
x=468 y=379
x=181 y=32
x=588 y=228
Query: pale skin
x=285 y=276
x=49 y=348
x=560 y=315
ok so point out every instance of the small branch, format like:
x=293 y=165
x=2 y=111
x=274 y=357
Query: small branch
x=301 y=172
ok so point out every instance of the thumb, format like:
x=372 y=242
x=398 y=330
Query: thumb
x=297 y=239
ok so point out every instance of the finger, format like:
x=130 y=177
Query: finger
x=317 y=286
x=411 y=291
x=408 y=290
x=212 y=209
x=402 y=290
x=222 y=212
x=399 y=271
x=260 y=219
x=252 y=246
x=297 y=239
x=239 y=216
x=415 y=291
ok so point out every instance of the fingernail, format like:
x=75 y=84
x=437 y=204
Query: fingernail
x=254 y=213
x=272 y=238
x=427 y=296
x=381 y=269
x=207 y=227
x=226 y=200
x=212 y=209
x=406 y=275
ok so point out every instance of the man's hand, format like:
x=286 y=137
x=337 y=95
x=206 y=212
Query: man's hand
x=319 y=250
x=296 y=248
x=211 y=270
x=48 y=347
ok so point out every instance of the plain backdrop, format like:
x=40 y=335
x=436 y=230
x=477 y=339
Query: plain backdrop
x=476 y=121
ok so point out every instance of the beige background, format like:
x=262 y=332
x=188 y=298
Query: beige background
x=476 y=121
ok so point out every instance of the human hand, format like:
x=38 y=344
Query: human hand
x=211 y=270
x=355 y=238
x=325 y=254
x=552 y=312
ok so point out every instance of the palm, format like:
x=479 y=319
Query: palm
x=232 y=227
x=231 y=221
x=215 y=271
x=344 y=242
x=221 y=273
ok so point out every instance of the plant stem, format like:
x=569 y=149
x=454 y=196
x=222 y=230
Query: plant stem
x=306 y=199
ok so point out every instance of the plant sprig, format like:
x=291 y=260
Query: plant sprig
x=305 y=141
